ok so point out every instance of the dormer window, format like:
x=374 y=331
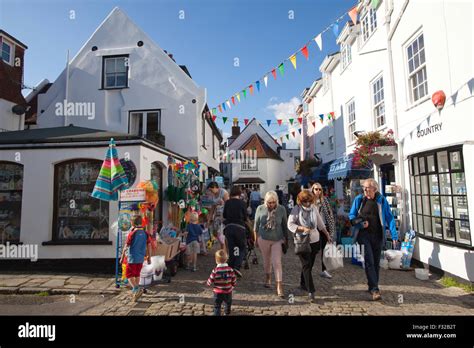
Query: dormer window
x=7 y=50
x=369 y=24
x=115 y=72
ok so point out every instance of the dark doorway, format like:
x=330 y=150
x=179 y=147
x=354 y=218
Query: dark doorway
x=387 y=175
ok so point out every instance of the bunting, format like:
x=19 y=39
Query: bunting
x=258 y=85
x=293 y=60
x=238 y=97
x=233 y=100
x=214 y=118
x=281 y=68
x=269 y=122
x=244 y=93
x=224 y=119
x=299 y=130
x=246 y=121
x=228 y=103
x=223 y=106
x=304 y=51
x=335 y=30
x=214 y=111
x=293 y=133
x=251 y=89
x=291 y=121
x=321 y=117
x=279 y=122
x=265 y=79
x=274 y=74
x=314 y=124
x=287 y=137
x=353 y=14
x=319 y=42
x=300 y=120
x=220 y=108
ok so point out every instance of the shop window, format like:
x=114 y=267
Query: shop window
x=439 y=196
x=78 y=216
x=11 y=185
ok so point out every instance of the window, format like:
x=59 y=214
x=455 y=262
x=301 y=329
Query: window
x=78 y=216
x=439 y=196
x=11 y=186
x=378 y=102
x=369 y=24
x=213 y=148
x=7 y=49
x=346 y=55
x=115 y=72
x=145 y=123
x=249 y=164
x=417 y=69
x=331 y=142
x=351 y=120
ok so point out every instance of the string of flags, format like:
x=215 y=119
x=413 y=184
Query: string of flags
x=318 y=39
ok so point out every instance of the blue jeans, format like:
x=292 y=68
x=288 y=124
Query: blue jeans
x=254 y=205
x=218 y=299
x=237 y=244
x=372 y=250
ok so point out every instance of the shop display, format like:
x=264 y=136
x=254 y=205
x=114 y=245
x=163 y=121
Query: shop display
x=11 y=184
x=393 y=195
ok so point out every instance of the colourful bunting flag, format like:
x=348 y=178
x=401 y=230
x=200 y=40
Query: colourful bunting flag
x=291 y=121
x=269 y=122
x=293 y=60
x=321 y=118
x=228 y=104
x=251 y=89
x=223 y=106
x=293 y=133
x=258 y=85
x=224 y=119
x=233 y=100
x=314 y=124
x=245 y=93
x=238 y=96
x=304 y=51
x=214 y=118
x=265 y=79
x=214 y=111
x=279 y=122
x=299 y=130
x=287 y=137
x=220 y=108
x=353 y=14
x=300 y=119
x=335 y=29
x=319 y=42
x=246 y=120
x=332 y=114
x=281 y=68
x=329 y=117
x=274 y=74
x=375 y=4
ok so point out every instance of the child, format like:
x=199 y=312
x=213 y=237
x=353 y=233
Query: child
x=194 y=231
x=137 y=247
x=205 y=235
x=223 y=280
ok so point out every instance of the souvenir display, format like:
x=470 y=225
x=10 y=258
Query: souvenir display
x=11 y=185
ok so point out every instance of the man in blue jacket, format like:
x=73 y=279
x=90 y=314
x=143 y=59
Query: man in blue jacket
x=370 y=215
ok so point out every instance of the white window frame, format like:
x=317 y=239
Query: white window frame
x=351 y=120
x=104 y=72
x=368 y=24
x=421 y=68
x=12 y=51
x=346 y=55
x=378 y=101
x=134 y=116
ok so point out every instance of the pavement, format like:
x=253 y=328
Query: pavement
x=345 y=294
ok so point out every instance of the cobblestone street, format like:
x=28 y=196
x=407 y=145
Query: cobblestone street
x=187 y=294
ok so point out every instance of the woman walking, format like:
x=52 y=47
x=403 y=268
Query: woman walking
x=324 y=209
x=271 y=236
x=305 y=219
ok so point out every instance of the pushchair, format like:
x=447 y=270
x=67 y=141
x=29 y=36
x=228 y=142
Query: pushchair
x=251 y=255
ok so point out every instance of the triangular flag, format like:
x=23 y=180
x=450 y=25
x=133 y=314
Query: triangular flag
x=319 y=42
x=353 y=14
x=304 y=50
x=265 y=79
x=293 y=60
x=214 y=111
x=281 y=68
x=470 y=84
x=454 y=97
x=246 y=120
x=233 y=100
x=335 y=29
x=279 y=122
x=224 y=119
x=321 y=117
x=269 y=122
x=274 y=74
x=332 y=114
x=375 y=4
x=220 y=108
x=300 y=119
x=223 y=106
x=299 y=130
x=245 y=93
x=287 y=137
x=293 y=133
x=329 y=117
x=314 y=124
x=238 y=97
x=214 y=118
x=228 y=103
x=291 y=121
x=251 y=89
x=258 y=85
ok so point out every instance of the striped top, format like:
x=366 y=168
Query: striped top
x=222 y=279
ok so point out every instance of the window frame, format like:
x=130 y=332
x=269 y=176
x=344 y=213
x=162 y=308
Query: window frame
x=369 y=19
x=422 y=67
x=11 y=45
x=377 y=104
x=245 y=166
x=346 y=55
x=104 y=73
x=144 y=117
x=351 y=124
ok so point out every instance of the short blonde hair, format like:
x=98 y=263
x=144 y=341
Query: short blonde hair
x=194 y=217
x=271 y=195
x=221 y=256
x=371 y=182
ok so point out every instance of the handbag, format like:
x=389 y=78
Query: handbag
x=302 y=243
x=284 y=246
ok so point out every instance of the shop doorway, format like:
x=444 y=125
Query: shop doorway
x=157 y=175
x=387 y=176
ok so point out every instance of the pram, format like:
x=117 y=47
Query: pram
x=251 y=253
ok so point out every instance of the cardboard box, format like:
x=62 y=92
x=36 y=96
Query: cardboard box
x=168 y=250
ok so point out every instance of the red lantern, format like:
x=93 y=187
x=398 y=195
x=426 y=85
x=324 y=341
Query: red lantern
x=439 y=98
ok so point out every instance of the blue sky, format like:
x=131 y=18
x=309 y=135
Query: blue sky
x=213 y=33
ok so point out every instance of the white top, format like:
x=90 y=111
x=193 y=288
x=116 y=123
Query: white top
x=293 y=222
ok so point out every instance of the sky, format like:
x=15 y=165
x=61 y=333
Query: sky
x=225 y=44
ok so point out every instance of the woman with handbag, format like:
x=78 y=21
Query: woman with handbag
x=304 y=222
x=271 y=237
x=324 y=209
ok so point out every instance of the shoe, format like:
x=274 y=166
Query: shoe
x=376 y=295
x=311 y=297
x=326 y=274
x=238 y=273
x=137 y=295
x=280 y=292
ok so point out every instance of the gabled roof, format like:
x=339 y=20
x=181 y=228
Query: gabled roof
x=259 y=124
x=262 y=148
x=11 y=38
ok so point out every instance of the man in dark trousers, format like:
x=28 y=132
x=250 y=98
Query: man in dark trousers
x=279 y=194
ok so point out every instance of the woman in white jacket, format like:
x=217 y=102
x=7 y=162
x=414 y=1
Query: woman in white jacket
x=305 y=218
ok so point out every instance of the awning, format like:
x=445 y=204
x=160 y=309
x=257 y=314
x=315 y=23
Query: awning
x=321 y=173
x=241 y=181
x=344 y=167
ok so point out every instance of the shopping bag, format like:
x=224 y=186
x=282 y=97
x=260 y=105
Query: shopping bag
x=333 y=257
x=394 y=258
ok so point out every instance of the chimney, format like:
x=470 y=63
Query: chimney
x=235 y=128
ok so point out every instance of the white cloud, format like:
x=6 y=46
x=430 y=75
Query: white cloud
x=273 y=99
x=285 y=111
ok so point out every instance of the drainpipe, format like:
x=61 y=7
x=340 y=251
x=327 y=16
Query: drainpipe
x=401 y=164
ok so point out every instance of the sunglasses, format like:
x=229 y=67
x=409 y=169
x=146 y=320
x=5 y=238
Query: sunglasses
x=317 y=189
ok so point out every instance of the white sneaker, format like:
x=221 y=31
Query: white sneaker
x=326 y=274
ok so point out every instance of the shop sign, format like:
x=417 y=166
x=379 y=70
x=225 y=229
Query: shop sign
x=132 y=195
x=433 y=129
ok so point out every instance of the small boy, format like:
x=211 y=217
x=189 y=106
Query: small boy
x=223 y=280
x=194 y=232
x=137 y=248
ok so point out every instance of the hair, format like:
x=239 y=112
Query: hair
x=194 y=217
x=305 y=195
x=277 y=187
x=318 y=185
x=137 y=220
x=269 y=195
x=213 y=184
x=221 y=256
x=236 y=191
x=372 y=183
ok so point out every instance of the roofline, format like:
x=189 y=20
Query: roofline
x=12 y=38
x=258 y=136
x=327 y=61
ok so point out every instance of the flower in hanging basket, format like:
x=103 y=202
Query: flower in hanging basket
x=368 y=142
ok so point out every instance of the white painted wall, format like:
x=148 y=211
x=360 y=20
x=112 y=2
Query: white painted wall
x=8 y=120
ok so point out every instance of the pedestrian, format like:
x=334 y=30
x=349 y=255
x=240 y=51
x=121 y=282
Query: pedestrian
x=235 y=230
x=305 y=219
x=280 y=195
x=370 y=215
x=137 y=248
x=271 y=236
x=223 y=281
x=324 y=209
x=255 y=200
x=193 y=234
x=218 y=196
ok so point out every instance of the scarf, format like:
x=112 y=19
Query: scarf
x=271 y=219
x=306 y=217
